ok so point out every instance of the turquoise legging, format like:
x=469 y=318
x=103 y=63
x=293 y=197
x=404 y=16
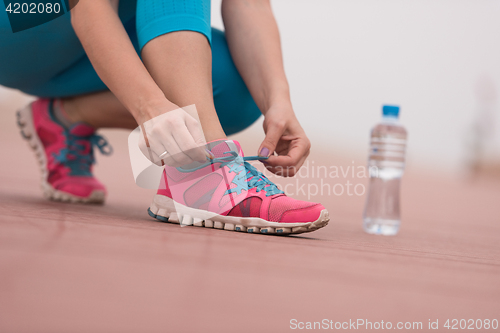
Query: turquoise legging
x=49 y=61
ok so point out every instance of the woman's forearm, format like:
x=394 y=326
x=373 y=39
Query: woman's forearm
x=114 y=57
x=253 y=39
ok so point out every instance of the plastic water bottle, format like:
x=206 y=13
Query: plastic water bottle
x=386 y=165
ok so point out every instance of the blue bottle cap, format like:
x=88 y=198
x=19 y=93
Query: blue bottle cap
x=390 y=111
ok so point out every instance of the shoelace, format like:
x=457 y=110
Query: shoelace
x=247 y=175
x=76 y=158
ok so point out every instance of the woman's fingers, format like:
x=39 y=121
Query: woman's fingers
x=153 y=149
x=187 y=145
x=174 y=132
x=273 y=135
x=175 y=151
x=296 y=152
x=194 y=127
x=289 y=164
x=287 y=171
x=285 y=136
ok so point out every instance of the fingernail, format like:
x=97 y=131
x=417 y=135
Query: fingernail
x=210 y=154
x=264 y=152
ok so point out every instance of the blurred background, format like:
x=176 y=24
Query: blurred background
x=111 y=268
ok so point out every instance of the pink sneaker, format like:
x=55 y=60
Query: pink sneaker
x=229 y=193
x=65 y=154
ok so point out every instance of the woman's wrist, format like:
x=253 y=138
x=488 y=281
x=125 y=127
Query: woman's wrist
x=280 y=107
x=278 y=102
x=278 y=94
x=149 y=107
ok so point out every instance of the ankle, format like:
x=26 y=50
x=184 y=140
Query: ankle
x=212 y=130
x=209 y=137
x=67 y=111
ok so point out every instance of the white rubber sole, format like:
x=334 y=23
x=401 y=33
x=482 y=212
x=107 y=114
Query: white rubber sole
x=166 y=210
x=25 y=123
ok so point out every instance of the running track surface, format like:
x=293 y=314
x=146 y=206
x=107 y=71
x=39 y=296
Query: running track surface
x=111 y=268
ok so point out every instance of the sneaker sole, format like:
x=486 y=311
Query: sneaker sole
x=27 y=129
x=167 y=210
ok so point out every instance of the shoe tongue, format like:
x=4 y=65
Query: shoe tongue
x=221 y=148
x=81 y=129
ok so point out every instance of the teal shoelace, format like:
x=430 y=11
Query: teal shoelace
x=247 y=176
x=76 y=158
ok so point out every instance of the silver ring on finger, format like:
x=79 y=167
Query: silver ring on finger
x=165 y=153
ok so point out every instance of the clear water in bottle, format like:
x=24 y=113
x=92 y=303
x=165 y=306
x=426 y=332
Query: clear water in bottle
x=386 y=164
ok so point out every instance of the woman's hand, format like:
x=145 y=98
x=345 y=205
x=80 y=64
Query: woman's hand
x=285 y=136
x=172 y=137
x=253 y=39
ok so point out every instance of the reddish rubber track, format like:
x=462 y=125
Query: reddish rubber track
x=111 y=268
